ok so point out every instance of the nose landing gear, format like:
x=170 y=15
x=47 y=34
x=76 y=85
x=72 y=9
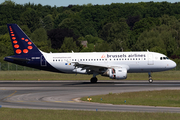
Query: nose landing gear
x=150 y=78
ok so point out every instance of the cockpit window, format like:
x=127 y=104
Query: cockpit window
x=164 y=58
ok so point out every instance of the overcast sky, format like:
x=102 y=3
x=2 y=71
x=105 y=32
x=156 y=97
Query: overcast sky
x=59 y=3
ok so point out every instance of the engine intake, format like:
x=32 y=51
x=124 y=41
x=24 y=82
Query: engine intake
x=120 y=73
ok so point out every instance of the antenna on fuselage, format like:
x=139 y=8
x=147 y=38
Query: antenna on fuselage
x=147 y=50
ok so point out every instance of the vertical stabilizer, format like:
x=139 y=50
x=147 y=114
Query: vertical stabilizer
x=22 y=45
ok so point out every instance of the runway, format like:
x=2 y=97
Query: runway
x=65 y=94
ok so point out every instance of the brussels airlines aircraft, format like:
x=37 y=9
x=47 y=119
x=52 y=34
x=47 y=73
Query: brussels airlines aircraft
x=115 y=65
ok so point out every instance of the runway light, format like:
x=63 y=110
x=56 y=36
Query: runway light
x=96 y=109
x=0 y=106
x=125 y=101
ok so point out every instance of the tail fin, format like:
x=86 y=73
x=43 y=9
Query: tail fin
x=21 y=43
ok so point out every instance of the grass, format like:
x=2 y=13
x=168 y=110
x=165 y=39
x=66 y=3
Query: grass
x=169 y=98
x=43 y=75
x=31 y=114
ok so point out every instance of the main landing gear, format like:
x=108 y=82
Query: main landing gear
x=150 y=78
x=94 y=78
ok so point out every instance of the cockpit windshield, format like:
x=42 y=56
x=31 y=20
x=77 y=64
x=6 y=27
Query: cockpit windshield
x=164 y=58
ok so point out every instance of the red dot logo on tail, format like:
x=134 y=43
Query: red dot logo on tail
x=16 y=46
x=15 y=42
x=25 y=51
x=29 y=43
x=30 y=47
x=26 y=40
x=18 y=51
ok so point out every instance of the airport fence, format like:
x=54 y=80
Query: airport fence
x=13 y=67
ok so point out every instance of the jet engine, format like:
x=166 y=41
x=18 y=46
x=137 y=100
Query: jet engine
x=118 y=73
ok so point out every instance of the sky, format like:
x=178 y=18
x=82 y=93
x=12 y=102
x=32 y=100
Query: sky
x=59 y=3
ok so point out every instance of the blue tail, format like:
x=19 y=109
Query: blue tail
x=26 y=53
x=21 y=43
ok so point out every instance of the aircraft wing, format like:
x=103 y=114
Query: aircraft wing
x=98 y=67
x=90 y=64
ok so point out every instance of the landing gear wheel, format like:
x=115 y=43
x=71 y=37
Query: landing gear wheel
x=94 y=80
x=150 y=80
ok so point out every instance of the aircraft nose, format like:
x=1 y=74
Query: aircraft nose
x=173 y=64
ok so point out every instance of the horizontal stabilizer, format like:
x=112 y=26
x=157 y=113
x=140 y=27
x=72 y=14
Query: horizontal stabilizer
x=16 y=58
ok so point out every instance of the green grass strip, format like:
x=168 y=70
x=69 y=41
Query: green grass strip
x=169 y=98
x=31 y=114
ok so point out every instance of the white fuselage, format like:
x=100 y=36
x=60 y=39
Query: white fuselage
x=134 y=62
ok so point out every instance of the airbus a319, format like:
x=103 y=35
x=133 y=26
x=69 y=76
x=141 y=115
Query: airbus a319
x=115 y=65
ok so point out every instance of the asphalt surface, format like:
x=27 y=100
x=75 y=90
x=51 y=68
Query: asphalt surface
x=66 y=94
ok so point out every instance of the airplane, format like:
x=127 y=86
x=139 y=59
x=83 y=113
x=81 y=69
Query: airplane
x=114 y=65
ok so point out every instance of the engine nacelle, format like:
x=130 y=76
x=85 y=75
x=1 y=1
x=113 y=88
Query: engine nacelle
x=119 y=73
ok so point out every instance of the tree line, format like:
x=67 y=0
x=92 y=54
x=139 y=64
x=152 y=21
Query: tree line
x=116 y=27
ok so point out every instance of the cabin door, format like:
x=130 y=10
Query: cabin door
x=43 y=61
x=150 y=59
